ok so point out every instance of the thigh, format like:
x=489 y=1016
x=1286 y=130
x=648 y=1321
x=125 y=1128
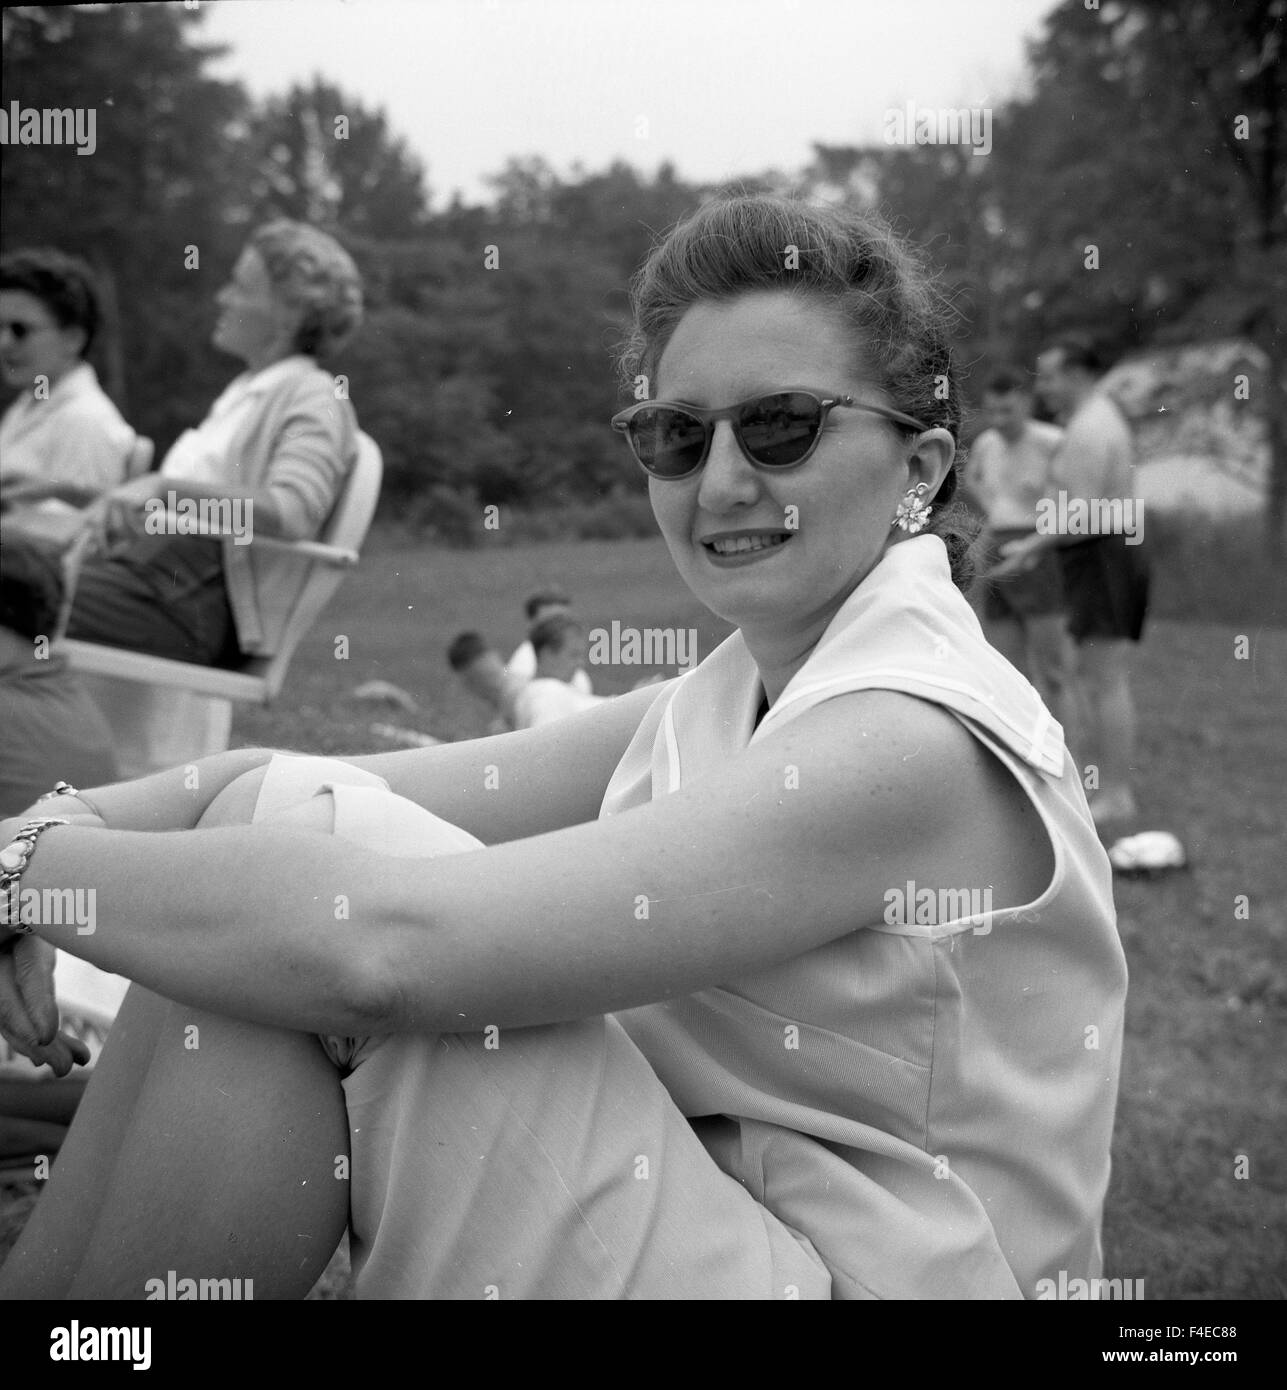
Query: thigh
x=524 y=1163
x=162 y=595
x=233 y=1166
x=548 y=1163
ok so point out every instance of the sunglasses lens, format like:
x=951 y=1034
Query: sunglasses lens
x=668 y=442
x=779 y=430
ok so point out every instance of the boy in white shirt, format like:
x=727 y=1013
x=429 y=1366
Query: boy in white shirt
x=549 y=603
x=560 y=646
x=1025 y=613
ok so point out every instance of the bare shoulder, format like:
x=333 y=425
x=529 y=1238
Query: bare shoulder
x=911 y=773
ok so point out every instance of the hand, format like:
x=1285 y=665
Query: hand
x=28 y=1009
x=1017 y=557
x=120 y=513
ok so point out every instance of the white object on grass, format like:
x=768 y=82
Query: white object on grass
x=1147 y=851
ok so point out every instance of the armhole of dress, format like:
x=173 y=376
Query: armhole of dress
x=1025 y=777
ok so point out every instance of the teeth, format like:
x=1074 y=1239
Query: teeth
x=745 y=543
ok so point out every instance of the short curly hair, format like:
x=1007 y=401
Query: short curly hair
x=64 y=284
x=312 y=272
x=879 y=284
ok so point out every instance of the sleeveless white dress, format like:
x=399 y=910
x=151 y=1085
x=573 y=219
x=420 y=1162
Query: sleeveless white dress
x=912 y=1111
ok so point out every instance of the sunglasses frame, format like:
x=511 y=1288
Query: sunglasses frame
x=707 y=418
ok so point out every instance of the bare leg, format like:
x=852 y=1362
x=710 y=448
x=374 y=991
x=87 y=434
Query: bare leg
x=215 y=1160
x=1106 y=665
x=1053 y=659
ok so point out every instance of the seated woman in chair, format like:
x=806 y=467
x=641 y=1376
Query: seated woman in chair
x=170 y=568
x=63 y=442
x=795 y=977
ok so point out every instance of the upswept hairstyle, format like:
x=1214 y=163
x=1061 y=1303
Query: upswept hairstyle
x=313 y=272
x=64 y=284
x=854 y=262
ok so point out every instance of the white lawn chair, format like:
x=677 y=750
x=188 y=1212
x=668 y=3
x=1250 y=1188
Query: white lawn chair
x=163 y=713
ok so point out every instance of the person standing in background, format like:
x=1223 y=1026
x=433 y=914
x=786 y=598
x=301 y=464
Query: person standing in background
x=1105 y=569
x=1024 y=612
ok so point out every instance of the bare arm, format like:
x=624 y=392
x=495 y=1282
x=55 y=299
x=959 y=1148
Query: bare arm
x=698 y=887
x=514 y=785
x=498 y=788
x=175 y=799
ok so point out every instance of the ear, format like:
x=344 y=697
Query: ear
x=930 y=460
x=74 y=339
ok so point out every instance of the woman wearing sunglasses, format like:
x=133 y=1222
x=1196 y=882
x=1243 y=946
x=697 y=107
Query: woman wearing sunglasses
x=62 y=440
x=795 y=977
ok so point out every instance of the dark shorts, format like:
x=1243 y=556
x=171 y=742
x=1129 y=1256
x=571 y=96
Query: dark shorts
x=1106 y=581
x=163 y=595
x=1037 y=593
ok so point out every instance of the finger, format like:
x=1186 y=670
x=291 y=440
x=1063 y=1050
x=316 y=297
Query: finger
x=61 y=1054
x=16 y=1023
x=33 y=964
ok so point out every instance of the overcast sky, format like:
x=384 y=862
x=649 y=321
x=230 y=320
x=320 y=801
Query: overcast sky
x=718 y=87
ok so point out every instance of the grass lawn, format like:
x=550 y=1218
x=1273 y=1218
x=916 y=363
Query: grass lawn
x=1204 y=1086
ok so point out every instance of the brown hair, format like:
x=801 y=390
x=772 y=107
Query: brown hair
x=854 y=262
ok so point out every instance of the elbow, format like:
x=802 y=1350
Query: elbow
x=366 y=996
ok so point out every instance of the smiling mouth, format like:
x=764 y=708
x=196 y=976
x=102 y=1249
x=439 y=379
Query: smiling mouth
x=744 y=545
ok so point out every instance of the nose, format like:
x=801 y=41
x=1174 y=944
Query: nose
x=729 y=479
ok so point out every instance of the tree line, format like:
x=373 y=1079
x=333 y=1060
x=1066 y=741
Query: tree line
x=1137 y=192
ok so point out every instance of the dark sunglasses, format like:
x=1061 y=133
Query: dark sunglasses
x=19 y=330
x=779 y=430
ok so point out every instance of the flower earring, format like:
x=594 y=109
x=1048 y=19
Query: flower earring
x=913 y=511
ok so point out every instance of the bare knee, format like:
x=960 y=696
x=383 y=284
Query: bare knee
x=235 y=805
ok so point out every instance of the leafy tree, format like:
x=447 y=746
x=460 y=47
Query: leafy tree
x=1158 y=132
x=322 y=157
x=164 y=177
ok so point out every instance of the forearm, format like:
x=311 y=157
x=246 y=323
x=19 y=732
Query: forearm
x=512 y=786
x=258 y=923
x=175 y=799
x=264 y=509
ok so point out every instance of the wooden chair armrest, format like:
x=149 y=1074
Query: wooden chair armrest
x=337 y=555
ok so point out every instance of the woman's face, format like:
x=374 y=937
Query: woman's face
x=254 y=322
x=33 y=343
x=830 y=515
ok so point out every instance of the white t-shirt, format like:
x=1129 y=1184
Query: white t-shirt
x=523 y=665
x=1008 y=479
x=543 y=700
x=75 y=440
x=1097 y=456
